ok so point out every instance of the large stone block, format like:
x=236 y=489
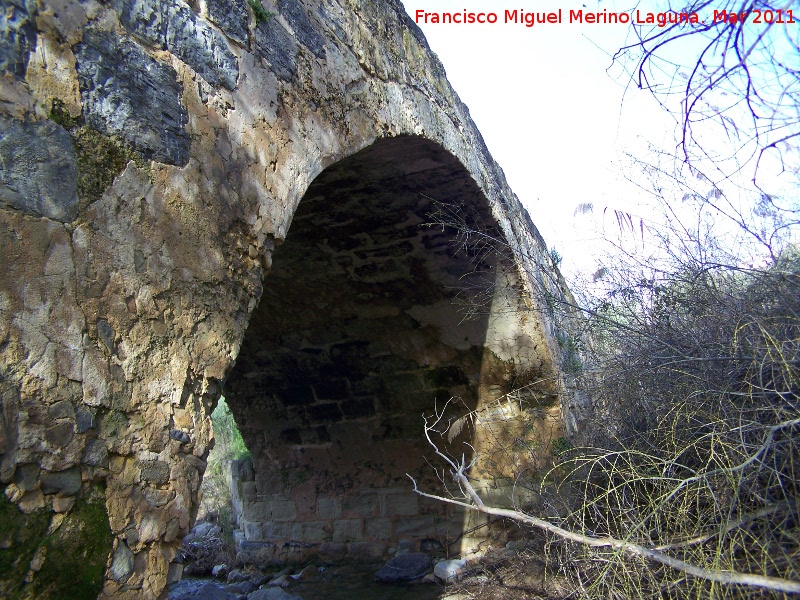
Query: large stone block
x=38 y=169
x=329 y=508
x=305 y=30
x=65 y=483
x=348 y=530
x=249 y=491
x=277 y=531
x=361 y=506
x=315 y=531
x=256 y=511
x=231 y=17
x=282 y=509
x=156 y=471
x=256 y=552
x=277 y=46
x=295 y=552
x=173 y=25
x=128 y=93
x=252 y=531
x=379 y=529
x=366 y=552
x=414 y=527
x=402 y=504
x=332 y=551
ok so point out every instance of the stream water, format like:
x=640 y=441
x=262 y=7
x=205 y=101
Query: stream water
x=346 y=582
x=352 y=582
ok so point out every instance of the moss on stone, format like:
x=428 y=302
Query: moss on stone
x=75 y=553
x=101 y=157
x=20 y=535
x=59 y=114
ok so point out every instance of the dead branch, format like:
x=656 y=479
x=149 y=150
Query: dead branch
x=458 y=470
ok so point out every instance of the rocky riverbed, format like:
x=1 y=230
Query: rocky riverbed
x=345 y=582
x=515 y=570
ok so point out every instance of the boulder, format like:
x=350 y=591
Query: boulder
x=272 y=593
x=449 y=570
x=405 y=567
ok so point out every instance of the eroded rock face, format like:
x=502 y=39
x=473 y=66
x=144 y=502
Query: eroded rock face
x=152 y=158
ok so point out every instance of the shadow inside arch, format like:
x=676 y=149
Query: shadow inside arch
x=370 y=318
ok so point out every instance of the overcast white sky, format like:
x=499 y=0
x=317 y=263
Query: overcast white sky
x=552 y=116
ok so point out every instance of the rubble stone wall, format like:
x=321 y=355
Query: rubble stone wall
x=153 y=156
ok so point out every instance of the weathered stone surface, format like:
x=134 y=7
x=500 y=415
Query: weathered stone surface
x=405 y=567
x=155 y=470
x=17 y=35
x=414 y=526
x=26 y=477
x=126 y=92
x=172 y=25
x=277 y=46
x=122 y=563
x=305 y=30
x=95 y=454
x=402 y=504
x=66 y=483
x=231 y=17
x=379 y=529
x=214 y=149
x=348 y=530
x=84 y=419
x=180 y=436
x=38 y=169
x=256 y=553
x=193 y=589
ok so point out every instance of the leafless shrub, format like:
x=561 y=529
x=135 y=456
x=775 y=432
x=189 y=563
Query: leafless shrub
x=683 y=480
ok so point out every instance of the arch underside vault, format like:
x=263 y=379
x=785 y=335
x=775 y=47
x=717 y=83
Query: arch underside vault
x=371 y=317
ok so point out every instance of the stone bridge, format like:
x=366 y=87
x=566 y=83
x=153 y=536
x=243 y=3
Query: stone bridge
x=203 y=199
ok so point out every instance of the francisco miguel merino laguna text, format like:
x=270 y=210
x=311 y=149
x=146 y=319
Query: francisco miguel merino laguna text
x=661 y=19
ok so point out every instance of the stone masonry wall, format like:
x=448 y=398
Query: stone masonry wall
x=152 y=156
x=373 y=319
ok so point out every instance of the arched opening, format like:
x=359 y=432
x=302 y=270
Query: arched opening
x=362 y=328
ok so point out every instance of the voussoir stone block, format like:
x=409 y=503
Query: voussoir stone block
x=173 y=25
x=128 y=93
x=278 y=47
x=231 y=17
